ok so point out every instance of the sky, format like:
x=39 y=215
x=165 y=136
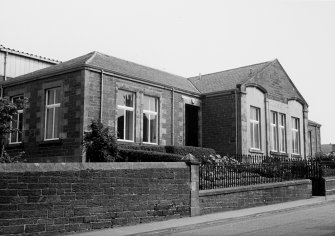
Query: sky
x=189 y=37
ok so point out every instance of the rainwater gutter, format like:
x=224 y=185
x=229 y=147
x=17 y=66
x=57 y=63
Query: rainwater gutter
x=172 y=116
x=101 y=93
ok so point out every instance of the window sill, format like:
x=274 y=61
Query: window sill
x=296 y=155
x=51 y=142
x=150 y=143
x=282 y=154
x=258 y=151
x=125 y=141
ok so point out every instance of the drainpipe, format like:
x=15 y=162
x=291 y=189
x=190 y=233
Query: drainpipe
x=303 y=128
x=1 y=91
x=236 y=131
x=101 y=94
x=266 y=125
x=172 y=116
x=5 y=66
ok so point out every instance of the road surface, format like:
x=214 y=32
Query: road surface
x=312 y=221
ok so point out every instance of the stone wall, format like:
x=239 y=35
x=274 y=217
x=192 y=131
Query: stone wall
x=56 y=198
x=251 y=196
x=68 y=147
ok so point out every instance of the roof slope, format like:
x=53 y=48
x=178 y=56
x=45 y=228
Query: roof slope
x=132 y=69
x=226 y=80
x=114 y=65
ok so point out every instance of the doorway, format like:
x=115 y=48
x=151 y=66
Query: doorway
x=191 y=125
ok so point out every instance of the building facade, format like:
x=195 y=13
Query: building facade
x=250 y=110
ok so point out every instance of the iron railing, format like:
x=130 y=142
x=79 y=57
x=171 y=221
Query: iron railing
x=242 y=170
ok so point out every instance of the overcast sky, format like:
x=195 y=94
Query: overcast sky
x=188 y=38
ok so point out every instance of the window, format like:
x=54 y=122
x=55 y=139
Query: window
x=150 y=119
x=125 y=115
x=295 y=136
x=274 y=131
x=255 y=129
x=52 y=109
x=278 y=132
x=17 y=123
x=282 y=133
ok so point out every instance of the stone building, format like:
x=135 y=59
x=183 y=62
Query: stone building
x=250 y=110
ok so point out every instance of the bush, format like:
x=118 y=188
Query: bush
x=153 y=148
x=99 y=143
x=132 y=155
x=6 y=158
x=198 y=152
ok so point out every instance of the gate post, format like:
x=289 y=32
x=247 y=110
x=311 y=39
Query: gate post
x=193 y=162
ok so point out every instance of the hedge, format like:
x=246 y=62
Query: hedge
x=153 y=148
x=198 y=152
x=132 y=155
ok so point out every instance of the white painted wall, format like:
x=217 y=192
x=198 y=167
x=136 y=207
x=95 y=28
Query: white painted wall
x=255 y=98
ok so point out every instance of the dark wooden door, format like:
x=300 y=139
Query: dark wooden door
x=191 y=125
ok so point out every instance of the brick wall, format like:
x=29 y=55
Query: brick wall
x=67 y=149
x=251 y=196
x=55 y=198
x=219 y=123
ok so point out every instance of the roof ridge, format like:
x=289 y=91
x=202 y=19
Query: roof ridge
x=149 y=67
x=94 y=53
x=231 y=69
x=29 y=54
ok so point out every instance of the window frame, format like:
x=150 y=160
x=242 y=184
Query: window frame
x=19 y=111
x=150 y=113
x=278 y=132
x=282 y=140
x=125 y=109
x=51 y=106
x=295 y=130
x=274 y=131
x=253 y=124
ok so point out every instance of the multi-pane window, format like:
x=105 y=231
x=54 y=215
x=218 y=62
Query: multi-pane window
x=274 y=131
x=150 y=119
x=282 y=132
x=125 y=115
x=52 y=113
x=255 y=128
x=17 y=123
x=278 y=132
x=295 y=135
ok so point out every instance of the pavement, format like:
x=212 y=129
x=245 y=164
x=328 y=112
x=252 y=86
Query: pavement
x=191 y=223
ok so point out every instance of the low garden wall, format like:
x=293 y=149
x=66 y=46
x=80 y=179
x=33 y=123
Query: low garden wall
x=228 y=199
x=55 y=198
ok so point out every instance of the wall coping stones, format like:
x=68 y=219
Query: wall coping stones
x=47 y=167
x=252 y=187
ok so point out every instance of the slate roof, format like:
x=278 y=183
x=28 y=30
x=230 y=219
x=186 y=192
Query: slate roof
x=114 y=65
x=226 y=80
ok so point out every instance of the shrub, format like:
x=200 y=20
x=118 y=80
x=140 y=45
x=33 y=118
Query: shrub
x=6 y=158
x=153 y=148
x=99 y=143
x=198 y=152
x=132 y=155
